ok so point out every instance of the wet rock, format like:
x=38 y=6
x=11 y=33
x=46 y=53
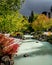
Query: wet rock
x=25 y=55
x=36 y=41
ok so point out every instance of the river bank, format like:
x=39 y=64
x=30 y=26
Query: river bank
x=43 y=37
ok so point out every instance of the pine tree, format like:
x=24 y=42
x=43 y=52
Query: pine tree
x=31 y=17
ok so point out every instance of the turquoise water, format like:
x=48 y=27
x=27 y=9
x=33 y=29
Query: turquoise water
x=40 y=57
x=35 y=60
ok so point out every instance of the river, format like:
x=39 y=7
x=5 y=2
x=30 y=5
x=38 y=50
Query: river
x=43 y=56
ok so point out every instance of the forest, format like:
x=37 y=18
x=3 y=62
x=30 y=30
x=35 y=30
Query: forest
x=11 y=20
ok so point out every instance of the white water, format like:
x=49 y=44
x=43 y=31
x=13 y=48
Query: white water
x=28 y=46
x=39 y=53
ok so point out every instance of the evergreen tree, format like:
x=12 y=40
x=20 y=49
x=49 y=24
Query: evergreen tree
x=31 y=17
x=51 y=8
x=44 y=12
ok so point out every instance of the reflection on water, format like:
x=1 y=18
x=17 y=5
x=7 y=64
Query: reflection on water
x=40 y=57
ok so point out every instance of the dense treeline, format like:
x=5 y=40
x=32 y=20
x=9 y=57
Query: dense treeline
x=11 y=20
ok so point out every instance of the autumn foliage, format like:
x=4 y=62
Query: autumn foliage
x=42 y=23
x=7 y=45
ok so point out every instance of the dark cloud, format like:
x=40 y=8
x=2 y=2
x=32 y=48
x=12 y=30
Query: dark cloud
x=37 y=6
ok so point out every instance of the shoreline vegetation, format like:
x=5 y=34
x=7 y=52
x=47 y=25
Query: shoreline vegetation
x=12 y=22
x=15 y=24
x=43 y=37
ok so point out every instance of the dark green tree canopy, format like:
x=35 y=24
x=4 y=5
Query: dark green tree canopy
x=8 y=5
x=31 y=17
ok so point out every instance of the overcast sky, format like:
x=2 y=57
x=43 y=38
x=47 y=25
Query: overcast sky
x=37 y=6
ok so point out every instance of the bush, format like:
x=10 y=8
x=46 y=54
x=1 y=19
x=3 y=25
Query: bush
x=49 y=39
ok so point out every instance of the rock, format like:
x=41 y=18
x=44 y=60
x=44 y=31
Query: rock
x=36 y=41
x=7 y=63
x=6 y=60
x=2 y=64
x=25 y=55
x=11 y=62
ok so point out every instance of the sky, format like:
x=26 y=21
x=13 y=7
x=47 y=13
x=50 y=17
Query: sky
x=38 y=6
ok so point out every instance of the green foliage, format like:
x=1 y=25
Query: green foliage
x=9 y=5
x=32 y=17
x=49 y=39
x=13 y=22
x=10 y=19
